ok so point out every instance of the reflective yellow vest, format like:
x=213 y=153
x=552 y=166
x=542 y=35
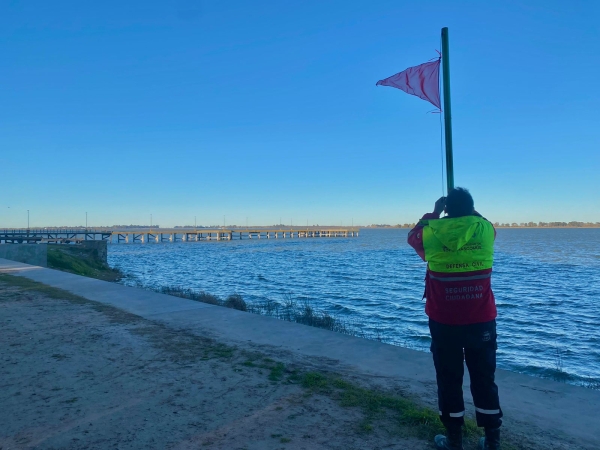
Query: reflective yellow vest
x=462 y=244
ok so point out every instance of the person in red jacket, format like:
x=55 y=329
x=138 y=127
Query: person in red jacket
x=461 y=309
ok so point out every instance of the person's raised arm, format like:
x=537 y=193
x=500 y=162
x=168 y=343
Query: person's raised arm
x=415 y=236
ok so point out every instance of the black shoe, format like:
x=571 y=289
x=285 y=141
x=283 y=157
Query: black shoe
x=491 y=441
x=451 y=442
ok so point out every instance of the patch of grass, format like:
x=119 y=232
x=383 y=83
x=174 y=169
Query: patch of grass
x=277 y=370
x=199 y=296
x=365 y=426
x=377 y=405
x=276 y=373
x=80 y=262
x=285 y=440
x=307 y=315
x=314 y=381
x=235 y=301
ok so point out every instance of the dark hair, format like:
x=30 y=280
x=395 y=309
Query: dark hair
x=459 y=203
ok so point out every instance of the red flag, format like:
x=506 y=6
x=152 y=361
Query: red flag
x=422 y=81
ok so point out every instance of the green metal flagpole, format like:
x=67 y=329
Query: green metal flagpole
x=447 y=109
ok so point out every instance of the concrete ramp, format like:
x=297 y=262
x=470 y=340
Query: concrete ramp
x=568 y=412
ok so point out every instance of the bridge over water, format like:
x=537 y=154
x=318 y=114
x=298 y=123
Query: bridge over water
x=158 y=235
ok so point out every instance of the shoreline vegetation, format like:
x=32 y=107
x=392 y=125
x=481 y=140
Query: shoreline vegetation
x=289 y=309
x=72 y=259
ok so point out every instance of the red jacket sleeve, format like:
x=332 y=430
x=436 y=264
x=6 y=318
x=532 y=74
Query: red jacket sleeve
x=415 y=236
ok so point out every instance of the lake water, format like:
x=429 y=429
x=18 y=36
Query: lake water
x=546 y=282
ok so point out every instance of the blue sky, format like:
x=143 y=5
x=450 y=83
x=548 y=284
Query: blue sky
x=269 y=110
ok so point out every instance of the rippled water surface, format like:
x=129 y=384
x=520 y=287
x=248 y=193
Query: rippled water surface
x=546 y=281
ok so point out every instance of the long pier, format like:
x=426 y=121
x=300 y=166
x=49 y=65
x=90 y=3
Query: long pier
x=160 y=235
x=53 y=235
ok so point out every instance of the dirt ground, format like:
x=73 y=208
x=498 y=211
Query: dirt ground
x=76 y=374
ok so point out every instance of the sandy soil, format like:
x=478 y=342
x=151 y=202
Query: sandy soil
x=76 y=375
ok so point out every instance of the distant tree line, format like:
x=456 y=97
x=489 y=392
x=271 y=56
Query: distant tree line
x=405 y=225
x=573 y=224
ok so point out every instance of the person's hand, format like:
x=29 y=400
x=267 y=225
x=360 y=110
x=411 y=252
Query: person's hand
x=440 y=204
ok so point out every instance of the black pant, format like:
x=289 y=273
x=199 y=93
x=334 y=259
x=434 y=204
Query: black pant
x=475 y=344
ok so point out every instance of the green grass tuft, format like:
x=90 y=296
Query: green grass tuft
x=314 y=381
x=277 y=372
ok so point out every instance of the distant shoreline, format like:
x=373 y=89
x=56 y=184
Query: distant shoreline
x=495 y=226
x=549 y=228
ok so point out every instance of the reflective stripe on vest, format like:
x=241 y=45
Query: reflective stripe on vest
x=463 y=244
x=467 y=278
